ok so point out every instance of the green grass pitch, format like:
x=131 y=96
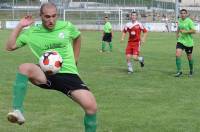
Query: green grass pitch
x=149 y=100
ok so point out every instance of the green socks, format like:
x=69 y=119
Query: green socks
x=110 y=45
x=178 y=64
x=191 y=64
x=103 y=46
x=19 y=91
x=90 y=123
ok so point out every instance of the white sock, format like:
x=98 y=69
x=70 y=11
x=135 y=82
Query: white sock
x=140 y=59
x=130 y=67
x=129 y=64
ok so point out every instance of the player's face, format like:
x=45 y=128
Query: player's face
x=183 y=14
x=49 y=16
x=133 y=17
x=105 y=20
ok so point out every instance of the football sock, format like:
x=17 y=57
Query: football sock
x=191 y=64
x=129 y=64
x=90 y=123
x=140 y=59
x=110 y=45
x=178 y=64
x=19 y=91
x=130 y=68
x=103 y=46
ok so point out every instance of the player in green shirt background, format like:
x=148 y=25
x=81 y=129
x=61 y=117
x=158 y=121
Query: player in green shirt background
x=107 y=35
x=64 y=38
x=184 y=41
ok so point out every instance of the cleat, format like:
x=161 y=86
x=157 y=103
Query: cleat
x=178 y=74
x=16 y=117
x=190 y=73
x=142 y=62
x=130 y=72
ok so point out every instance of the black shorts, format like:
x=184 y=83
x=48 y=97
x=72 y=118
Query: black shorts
x=64 y=82
x=188 y=50
x=107 y=37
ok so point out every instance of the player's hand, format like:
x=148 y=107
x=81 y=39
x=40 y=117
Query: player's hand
x=183 y=31
x=26 y=21
x=177 y=36
x=142 y=41
x=122 y=40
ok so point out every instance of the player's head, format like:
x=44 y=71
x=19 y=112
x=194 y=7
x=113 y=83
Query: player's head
x=183 y=13
x=48 y=14
x=133 y=16
x=106 y=18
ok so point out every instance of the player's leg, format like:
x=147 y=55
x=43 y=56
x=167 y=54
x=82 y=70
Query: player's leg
x=103 y=46
x=25 y=72
x=110 y=42
x=111 y=46
x=136 y=53
x=72 y=86
x=129 y=53
x=179 y=50
x=188 y=51
x=103 y=43
x=140 y=59
x=87 y=101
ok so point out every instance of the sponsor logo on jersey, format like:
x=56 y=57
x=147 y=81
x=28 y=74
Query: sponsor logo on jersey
x=61 y=35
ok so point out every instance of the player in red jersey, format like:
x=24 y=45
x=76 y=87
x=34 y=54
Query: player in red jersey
x=134 y=28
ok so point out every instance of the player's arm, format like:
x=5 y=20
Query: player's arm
x=144 y=37
x=77 y=47
x=11 y=43
x=123 y=36
x=191 y=31
x=103 y=34
x=112 y=33
x=177 y=33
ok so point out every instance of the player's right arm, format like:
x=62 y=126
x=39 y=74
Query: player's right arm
x=123 y=36
x=177 y=33
x=124 y=33
x=24 y=22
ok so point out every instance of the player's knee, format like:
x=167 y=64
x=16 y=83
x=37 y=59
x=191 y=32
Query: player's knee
x=135 y=57
x=178 y=54
x=24 y=68
x=91 y=108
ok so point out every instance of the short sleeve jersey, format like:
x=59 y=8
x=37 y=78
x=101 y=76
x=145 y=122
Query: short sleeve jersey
x=186 y=39
x=40 y=39
x=107 y=27
x=134 y=30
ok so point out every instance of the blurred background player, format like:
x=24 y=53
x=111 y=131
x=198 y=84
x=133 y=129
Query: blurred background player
x=134 y=28
x=63 y=37
x=107 y=35
x=184 y=41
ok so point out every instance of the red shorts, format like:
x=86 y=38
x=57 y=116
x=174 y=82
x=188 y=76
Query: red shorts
x=133 y=48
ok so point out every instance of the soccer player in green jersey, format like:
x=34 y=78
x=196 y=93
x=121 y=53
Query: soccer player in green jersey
x=64 y=38
x=184 y=41
x=107 y=35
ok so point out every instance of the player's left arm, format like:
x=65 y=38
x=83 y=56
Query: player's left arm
x=144 y=30
x=191 y=31
x=77 y=47
x=144 y=37
x=111 y=31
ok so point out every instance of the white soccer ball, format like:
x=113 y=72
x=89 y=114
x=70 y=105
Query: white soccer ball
x=50 y=62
